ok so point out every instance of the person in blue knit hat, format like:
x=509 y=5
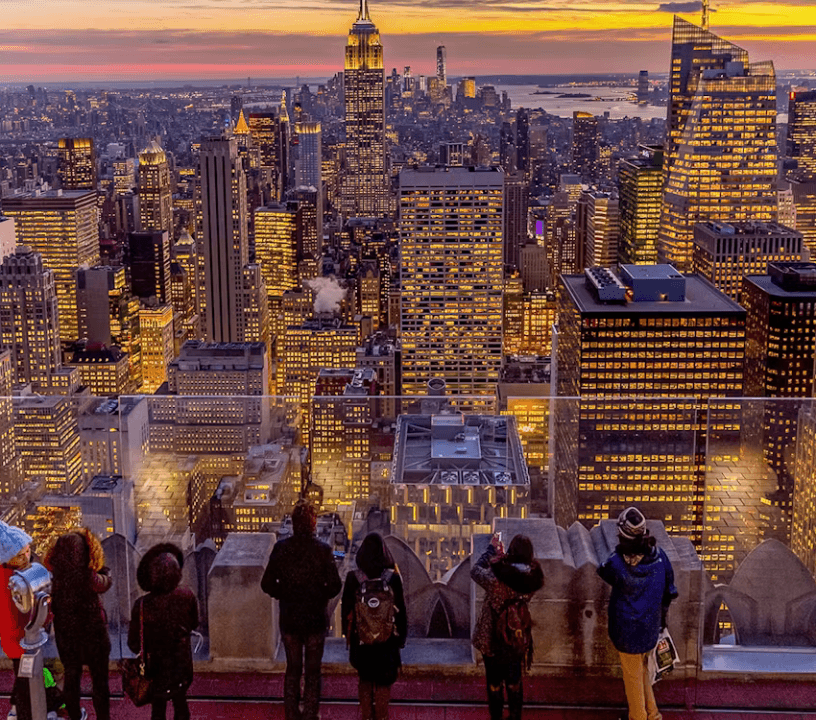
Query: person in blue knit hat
x=15 y=553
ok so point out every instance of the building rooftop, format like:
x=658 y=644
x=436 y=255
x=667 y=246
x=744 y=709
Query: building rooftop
x=458 y=450
x=701 y=298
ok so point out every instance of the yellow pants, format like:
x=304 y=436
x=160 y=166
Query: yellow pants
x=638 y=686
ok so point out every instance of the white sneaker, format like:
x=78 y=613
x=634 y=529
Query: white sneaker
x=12 y=715
x=84 y=715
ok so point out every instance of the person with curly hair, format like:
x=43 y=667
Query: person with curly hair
x=79 y=577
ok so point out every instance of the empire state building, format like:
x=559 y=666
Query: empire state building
x=365 y=183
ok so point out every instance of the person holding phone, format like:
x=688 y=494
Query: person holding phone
x=503 y=632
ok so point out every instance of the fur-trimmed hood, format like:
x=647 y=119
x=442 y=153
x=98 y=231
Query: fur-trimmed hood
x=159 y=570
x=519 y=577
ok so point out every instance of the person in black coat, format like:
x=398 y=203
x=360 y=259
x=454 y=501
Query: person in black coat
x=79 y=576
x=169 y=614
x=302 y=575
x=377 y=665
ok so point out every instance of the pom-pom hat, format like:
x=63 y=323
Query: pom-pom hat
x=631 y=524
x=12 y=541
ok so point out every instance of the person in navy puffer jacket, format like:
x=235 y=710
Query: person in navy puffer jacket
x=642 y=581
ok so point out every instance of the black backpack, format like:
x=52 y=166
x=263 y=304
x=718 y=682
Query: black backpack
x=375 y=609
x=514 y=628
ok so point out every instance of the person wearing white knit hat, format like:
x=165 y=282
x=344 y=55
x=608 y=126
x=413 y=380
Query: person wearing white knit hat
x=15 y=553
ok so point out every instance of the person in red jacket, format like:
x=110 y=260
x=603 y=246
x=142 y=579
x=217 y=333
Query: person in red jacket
x=15 y=553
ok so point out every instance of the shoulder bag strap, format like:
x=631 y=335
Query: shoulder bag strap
x=142 y=653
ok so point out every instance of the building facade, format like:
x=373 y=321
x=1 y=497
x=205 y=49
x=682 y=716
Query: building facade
x=451 y=222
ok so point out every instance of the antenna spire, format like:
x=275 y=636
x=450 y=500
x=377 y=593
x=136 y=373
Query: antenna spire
x=705 y=14
x=363 y=14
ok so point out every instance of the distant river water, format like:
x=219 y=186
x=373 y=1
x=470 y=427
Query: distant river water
x=600 y=100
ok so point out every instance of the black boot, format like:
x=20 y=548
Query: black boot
x=495 y=701
x=515 y=699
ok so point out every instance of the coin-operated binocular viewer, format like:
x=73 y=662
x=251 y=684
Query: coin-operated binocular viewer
x=31 y=592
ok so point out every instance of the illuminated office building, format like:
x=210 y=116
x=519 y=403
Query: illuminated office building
x=640 y=183
x=516 y=200
x=801 y=152
x=62 y=226
x=623 y=349
x=47 y=439
x=255 y=325
x=379 y=352
x=535 y=270
x=803 y=524
x=309 y=221
x=451 y=223
x=801 y=139
x=269 y=135
x=231 y=369
x=780 y=351
x=306 y=349
x=155 y=191
x=10 y=465
x=598 y=228
x=149 y=263
x=124 y=175
x=185 y=252
x=340 y=437
x=29 y=324
x=585 y=146
x=182 y=298
x=156 y=332
x=223 y=238
x=276 y=229
x=452 y=475
x=8 y=238
x=109 y=314
x=310 y=155
x=365 y=182
x=76 y=164
x=105 y=371
x=725 y=252
x=721 y=159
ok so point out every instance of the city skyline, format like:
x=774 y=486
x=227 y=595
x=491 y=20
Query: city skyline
x=208 y=39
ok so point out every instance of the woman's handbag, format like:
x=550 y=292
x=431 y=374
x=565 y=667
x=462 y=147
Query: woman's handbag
x=135 y=682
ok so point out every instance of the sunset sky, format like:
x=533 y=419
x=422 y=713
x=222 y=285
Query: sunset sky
x=57 y=40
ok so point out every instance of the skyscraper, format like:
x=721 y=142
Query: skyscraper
x=623 y=348
x=149 y=262
x=156 y=331
x=442 y=66
x=801 y=139
x=721 y=161
x=725 y=252
x=76 y=164
x=310 y=155
x=516 y=200
x=62 y=226
x=223 y=236
x=523 y=142
x=586 y=141
x=640 y=181
x=155 y=190
x=599 y=228
x=801 y=152
x=109 y=313
x=451 y=222
x=276 y=246
x=365 y=183
x=780 y=349
x=29 y=323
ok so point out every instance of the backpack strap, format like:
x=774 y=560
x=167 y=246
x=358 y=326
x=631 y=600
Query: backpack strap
x=361 y=576
x=386 y=576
